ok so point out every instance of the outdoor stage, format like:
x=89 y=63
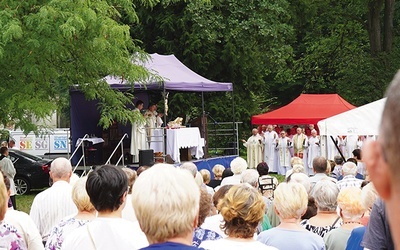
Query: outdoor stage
x=207 y=163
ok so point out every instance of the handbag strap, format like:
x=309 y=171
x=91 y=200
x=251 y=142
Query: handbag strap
x=334 y=223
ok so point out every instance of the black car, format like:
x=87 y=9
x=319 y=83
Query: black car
x=32 y=171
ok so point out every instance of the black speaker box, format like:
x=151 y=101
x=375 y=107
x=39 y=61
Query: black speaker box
x=146 y=157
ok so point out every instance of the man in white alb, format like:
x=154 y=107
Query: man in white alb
x=314 y=150
x=269 y=142
x=299 y=143
x=254 y=149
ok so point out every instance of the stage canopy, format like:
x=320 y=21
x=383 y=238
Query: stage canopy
x=176 y=76
x=363 y=120
x=305 y=109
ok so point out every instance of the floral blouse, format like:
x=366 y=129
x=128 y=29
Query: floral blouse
x=201 y=234
x=10 y=239
x=58 y=233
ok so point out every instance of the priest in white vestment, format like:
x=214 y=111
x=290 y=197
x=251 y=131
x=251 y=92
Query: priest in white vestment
x=299 y=143
x=314 y=150
x=138 y=134
x=254 y=149
x=269 y=142
x=350 y=143
x=283 y=144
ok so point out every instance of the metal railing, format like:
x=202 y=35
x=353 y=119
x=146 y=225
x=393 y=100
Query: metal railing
x=83 y=153
x=120 y=144
x=223 y=138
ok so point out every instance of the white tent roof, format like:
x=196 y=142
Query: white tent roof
x=364 y=120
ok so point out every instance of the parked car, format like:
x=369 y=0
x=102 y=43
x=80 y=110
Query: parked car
x=32 y=171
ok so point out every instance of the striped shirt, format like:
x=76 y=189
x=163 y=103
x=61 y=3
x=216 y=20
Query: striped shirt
x=349 y=181
x=51 y=206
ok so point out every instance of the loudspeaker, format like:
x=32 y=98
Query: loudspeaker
x=146 y=157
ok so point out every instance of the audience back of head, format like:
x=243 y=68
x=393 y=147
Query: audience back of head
x=319 y=164
x=242 y=209
x=191 y=167
x=61 y=169
x=238 y=165
x=106 y=187
x=349 y=168
x=166 y=202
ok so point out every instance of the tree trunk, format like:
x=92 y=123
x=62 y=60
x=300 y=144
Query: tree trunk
x=374 y=28
x=388 y=26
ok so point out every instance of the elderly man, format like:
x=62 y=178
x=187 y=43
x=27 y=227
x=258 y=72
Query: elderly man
x=254 y=149
x=349 y=171
x=300 y=143
x=54 y=203
x=382 y=158
x=162 y=220
x=269 y=142
x=320 y=165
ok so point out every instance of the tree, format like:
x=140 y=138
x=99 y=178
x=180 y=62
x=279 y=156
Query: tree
x=46 y=47
x=244 y=42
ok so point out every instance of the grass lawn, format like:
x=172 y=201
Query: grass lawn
x=24 y=202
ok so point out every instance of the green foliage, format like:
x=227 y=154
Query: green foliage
x=47 y=47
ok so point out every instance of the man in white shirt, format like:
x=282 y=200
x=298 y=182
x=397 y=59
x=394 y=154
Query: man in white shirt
x=54 y=203
x=349 y=171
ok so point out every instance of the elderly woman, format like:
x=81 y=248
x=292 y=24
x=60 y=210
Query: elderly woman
x=201 y=234
x=238 y=165
x=368 y=198
x=86 y=213
x=325 y=193
x=128 y=213
x=351 y=211
x=217 y=170
x=242 y=209
x=290 y=204
x=9 y=236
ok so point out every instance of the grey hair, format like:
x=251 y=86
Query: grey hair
x=302 y=179
x=349 y=168
x=325 y=193
x=238 y=165
x=250 y=176
x=191 y=167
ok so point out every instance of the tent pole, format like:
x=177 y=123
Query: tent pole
x=337 y=147
x=165 y=124
x=235 y=127
x=202 y=103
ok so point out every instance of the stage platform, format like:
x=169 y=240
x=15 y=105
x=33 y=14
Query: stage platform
x=207 y=163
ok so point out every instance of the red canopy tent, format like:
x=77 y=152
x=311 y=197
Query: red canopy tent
x=305 y=109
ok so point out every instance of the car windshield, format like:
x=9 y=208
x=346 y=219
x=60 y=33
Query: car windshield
x=29 y=156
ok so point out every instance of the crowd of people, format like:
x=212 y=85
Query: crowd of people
x=173 y=207
x=237 y=207
x=276 y=146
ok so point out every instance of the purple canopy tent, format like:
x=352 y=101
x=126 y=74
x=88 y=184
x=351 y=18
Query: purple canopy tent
x=175 y=77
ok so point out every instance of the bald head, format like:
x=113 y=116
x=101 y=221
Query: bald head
x=61 y=169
